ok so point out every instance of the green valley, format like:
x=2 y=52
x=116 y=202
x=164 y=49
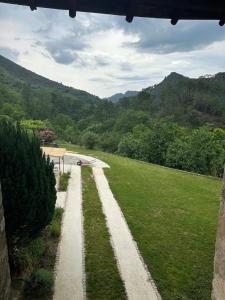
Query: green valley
x=156 y=144
x=178 y=123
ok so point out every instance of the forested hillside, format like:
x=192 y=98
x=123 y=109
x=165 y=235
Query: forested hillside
x=15 y=76
x=24 y=94
x=190 y=102
x=177 y=123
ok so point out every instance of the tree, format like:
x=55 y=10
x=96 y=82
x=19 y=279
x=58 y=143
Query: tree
x=12 y=110
x=109 y=142
x=28 y=185
x=27 y=99
x=33 y=125
x=179 y=154
x=131 y=147
x=158 y=139
x=63 y=121
x=46 y=136
x=90 y=139
x=129 y=119
x=202 y=151
x=71 y=134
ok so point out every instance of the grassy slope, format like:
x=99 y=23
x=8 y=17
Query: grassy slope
x=103 y=279
x=173 y=218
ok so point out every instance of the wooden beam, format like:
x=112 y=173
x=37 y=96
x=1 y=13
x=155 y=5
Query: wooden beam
x=72 y=8
x=166 y=9
x=131 y=11
x=33 y=4
x=222 y=22
x=174 y=21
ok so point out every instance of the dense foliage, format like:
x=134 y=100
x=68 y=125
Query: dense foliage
x=40 y=284
x=201 y=150
x=28 y=184
x=35 y=262
x=177 y=123
x=190 y=102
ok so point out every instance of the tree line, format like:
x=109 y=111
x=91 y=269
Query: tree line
x=178 y=123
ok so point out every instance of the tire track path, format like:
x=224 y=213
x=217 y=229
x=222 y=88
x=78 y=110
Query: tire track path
x=70 y=275
x=134 y=273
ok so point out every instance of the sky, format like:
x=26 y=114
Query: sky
x=103 y=54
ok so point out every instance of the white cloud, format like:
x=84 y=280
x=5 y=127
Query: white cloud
x=104 y=55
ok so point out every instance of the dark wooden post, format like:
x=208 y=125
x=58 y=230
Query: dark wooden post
x=218 y=292
x=5 y=280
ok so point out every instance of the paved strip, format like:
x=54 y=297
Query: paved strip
x=73 y=158
x=70 y=276
x=61 y=200
x=137 y=280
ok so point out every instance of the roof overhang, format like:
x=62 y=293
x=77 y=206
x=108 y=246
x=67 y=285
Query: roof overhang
x=168 y=9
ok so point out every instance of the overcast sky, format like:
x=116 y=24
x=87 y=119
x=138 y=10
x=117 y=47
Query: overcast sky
x=105 y=55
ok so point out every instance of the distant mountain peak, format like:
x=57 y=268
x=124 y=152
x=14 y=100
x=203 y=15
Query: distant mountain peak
x=175 y=75
x=207 y=76
x=118 y=96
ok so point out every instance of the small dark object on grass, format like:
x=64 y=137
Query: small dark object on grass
x=79 y=163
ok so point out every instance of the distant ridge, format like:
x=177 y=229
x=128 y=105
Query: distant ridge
x=19 y=75
x=188 y=101
x=118 y=96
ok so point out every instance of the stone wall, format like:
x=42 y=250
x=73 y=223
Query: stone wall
x=5 y=280
x=219 y=261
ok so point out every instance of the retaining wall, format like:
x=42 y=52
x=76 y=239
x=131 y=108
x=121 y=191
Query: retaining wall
x=5 y=281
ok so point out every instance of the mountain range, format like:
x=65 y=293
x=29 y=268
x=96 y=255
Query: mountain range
x=189 y=102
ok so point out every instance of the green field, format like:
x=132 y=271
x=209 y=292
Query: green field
x=173 y=217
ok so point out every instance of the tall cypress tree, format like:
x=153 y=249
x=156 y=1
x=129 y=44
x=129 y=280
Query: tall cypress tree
x=28 y=184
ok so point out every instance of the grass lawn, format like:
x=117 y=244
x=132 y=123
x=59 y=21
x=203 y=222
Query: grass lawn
x=64 y=181
x=103 y=279
x=173 y=217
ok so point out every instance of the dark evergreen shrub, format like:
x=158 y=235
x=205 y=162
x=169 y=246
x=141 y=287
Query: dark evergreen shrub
x=40 y=284
x=28 y=184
